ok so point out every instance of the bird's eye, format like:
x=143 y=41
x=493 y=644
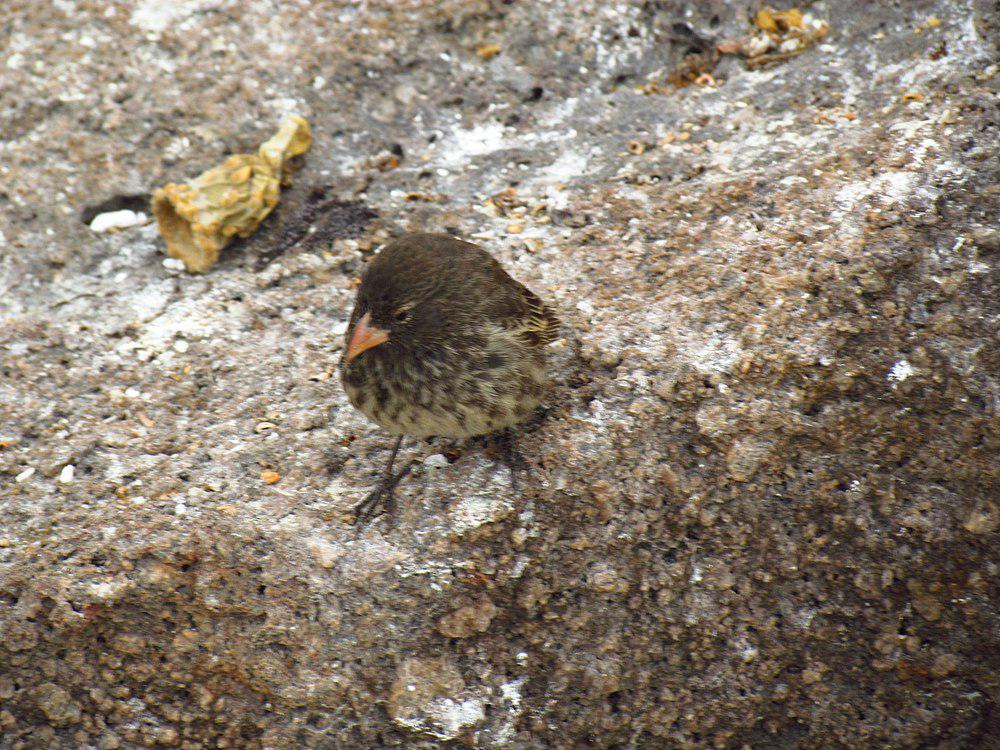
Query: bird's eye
x=402 y=315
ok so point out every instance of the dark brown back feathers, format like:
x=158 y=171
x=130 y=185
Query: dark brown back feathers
x=457 y=276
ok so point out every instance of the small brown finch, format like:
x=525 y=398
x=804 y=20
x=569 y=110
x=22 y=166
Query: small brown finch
x=442 y=342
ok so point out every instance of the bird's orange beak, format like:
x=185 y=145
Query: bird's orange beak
x=364 y=337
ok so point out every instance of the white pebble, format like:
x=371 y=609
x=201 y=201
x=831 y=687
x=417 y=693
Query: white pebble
x=113 y=220
x=181 y=346
x=25 y=475
x=173 y=264
x=757 y=45
x=900 y=371
x=67 y=473
x=435 y=461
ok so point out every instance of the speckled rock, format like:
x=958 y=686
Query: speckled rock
x=468 y=620
x=428 y=696
x=761 y=508
x=57 y=704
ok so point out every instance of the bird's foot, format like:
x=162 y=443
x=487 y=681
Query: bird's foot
x=505 y=444
x=378 y=501
x=381 y=500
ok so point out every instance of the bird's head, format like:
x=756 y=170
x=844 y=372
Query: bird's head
x=397 y=307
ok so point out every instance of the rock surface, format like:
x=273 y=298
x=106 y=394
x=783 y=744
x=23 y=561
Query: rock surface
x=762 y=506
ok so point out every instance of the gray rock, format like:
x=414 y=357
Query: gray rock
x=57 y=704
x=761 y=509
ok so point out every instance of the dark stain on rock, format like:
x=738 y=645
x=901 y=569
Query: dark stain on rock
x=316 y=220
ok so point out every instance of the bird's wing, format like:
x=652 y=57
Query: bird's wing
x=526 y=314
x=513 y=306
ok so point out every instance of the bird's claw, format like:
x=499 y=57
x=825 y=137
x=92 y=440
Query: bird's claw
x=381 y=500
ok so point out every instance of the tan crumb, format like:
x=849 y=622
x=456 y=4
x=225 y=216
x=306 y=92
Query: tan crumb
x=488 y=51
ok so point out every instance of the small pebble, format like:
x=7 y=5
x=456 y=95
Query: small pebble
x=468 y=620
x=25 y=475
x=435 y=461
x=112 y=220
x=943 y=665
x=67 y=473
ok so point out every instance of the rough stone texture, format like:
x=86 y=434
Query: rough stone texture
x=762 y=509
x=468 y=620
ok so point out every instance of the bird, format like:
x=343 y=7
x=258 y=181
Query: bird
x=442 y=342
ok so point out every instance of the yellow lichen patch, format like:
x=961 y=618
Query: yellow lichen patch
x=201 y=217
x=930 y=23
x=777 y=21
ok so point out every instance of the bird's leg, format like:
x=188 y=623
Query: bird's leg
x=506 y=445
x=382 y=495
